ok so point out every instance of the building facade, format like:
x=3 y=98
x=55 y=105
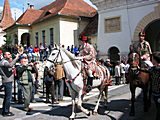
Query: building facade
x=5 y=21
x=120 y=21
x=60 y=22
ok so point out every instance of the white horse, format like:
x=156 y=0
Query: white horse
x=74 y=73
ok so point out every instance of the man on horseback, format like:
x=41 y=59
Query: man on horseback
x=144 y=49
x=88 y=54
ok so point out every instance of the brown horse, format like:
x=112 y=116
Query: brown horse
x=138 y=76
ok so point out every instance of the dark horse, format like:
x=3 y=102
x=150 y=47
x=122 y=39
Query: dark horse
x=138 y=76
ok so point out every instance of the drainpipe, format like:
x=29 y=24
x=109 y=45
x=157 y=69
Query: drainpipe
x=79 y=21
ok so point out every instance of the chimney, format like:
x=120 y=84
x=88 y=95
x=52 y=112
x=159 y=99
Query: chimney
x=31 y=6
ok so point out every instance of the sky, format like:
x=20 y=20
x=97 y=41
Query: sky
x=19 y=6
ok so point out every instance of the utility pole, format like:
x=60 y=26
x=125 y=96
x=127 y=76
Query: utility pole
x=15 y=15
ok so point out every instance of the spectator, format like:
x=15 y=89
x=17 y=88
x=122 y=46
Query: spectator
x=36 y=53
x=26 y=80
x=41 y=51
x=19 y=86
x=122 y=70
x=6 y=65
x=109 y=66
x=68 y=48
x=155 y=78
x=72 y=49
x=50 y=87
x=117 y=73
x=59 y=82
x=76 y=51
x=50 y=48
x=35 y=80
x=30 y=53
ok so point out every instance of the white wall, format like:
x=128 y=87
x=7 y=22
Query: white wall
x=2 y=33
x=67 y=32
x=129 y=19
x=118 y=39
x=20 y=32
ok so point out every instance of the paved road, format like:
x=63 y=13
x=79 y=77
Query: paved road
x=118 y=108
x=40 y=108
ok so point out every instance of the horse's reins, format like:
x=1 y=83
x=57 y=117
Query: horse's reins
x=55 y=61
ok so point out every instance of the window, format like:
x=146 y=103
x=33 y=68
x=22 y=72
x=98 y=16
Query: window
x=51 y=36
x=112 y=25
x=37 y=40
x=43 y=38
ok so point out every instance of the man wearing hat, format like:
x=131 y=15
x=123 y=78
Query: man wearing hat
x=88 y=54
x=144 y=49
x=26 y=80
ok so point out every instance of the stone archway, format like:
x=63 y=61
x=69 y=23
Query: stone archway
x=25 y=39
x=153 y=16
x=114 y=54
x=153 y=34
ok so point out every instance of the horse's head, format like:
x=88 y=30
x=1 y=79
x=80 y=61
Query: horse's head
x=61 y=56
x=54 y=57
x=134 y=59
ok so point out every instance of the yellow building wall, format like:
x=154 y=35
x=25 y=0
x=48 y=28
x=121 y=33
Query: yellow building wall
x=45 y=25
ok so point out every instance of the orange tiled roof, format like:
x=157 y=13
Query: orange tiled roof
x=29 y=16
x=78 y=8
x=75 y=8
x=7 y=19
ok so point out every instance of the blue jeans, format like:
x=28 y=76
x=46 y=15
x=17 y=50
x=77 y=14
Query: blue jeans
x=59 y=87
x=7 y=97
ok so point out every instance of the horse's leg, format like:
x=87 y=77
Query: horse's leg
x=105 y=96
x=80 y=104
x=132 y=89
x=73 y=115
x=145 y=98
x=97 y=105
x=150 y=94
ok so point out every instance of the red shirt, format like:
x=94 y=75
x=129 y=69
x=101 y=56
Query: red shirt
x=36 y=49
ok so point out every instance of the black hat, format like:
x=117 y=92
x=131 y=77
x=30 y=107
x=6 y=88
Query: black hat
x=142 y=34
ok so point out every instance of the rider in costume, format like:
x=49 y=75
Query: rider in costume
x=88 y=54
x=144 y=49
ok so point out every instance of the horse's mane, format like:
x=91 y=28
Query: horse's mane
x=71 y=57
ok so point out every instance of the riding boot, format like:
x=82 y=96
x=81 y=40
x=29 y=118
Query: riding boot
x=89 y=84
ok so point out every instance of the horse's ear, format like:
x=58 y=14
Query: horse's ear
x=56 y=46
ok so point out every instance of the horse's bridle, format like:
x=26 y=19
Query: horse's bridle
x=55 y=59
x=55 y=62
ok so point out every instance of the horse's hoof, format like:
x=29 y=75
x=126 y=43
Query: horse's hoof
x=94 y=112
x=131 y=114
x=71 y=118
x=89 y=114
